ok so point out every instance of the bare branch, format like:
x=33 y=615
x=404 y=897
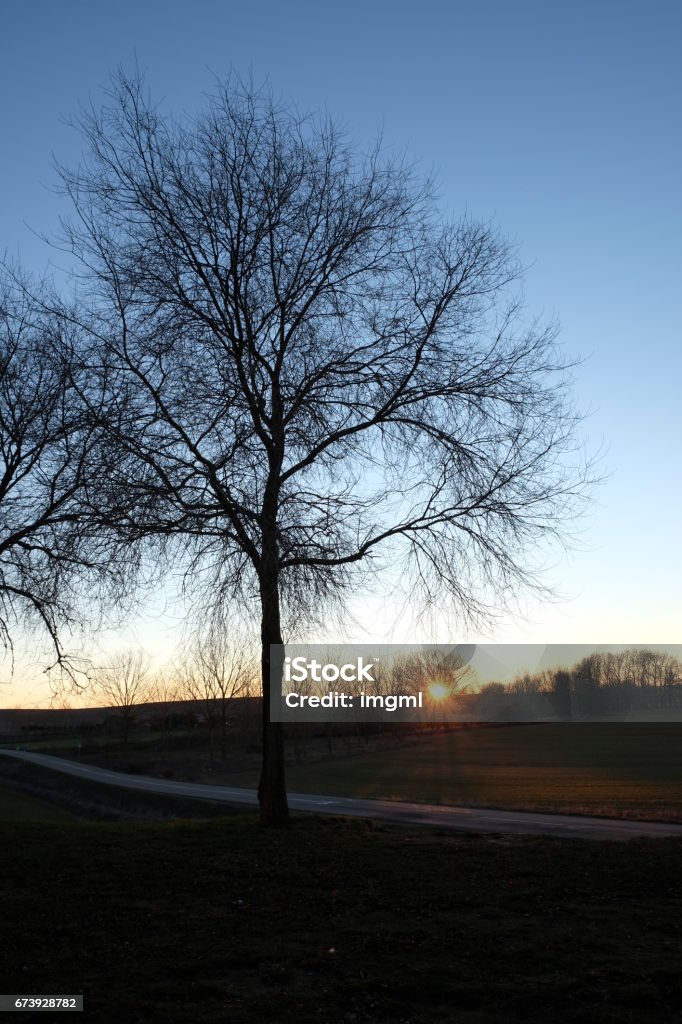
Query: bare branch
x=314 y=372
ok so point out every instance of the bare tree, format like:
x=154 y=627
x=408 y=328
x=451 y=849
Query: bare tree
x=50 y=555
x=122 y=685
x=448 y=670
x=198 y=686
x=215 y=674
x=164 y=690
x=228 y=668
x=325 y=375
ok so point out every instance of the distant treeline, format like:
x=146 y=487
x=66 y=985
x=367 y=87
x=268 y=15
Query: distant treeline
x=600 y=684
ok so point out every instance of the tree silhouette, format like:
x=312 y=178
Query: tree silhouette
x=318 y=373
x=51 y=553
x=123 y=684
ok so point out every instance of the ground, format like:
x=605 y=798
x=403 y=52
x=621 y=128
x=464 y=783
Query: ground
x=339 y=922
x=614 y=770
x=355 y=922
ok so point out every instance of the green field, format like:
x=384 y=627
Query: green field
x=594 y=769
x=339 y=922
x=16 y=806
x=72 y=745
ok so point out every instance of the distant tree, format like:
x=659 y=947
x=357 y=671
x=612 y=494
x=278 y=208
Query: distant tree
x=656 y=673
x=491 y=702
x=324 y=374
x=527 y=683
x=213 y=674
x=123 y=684
x=561 y=693
x=449 y=670
x=227 y=673
x=164 y=690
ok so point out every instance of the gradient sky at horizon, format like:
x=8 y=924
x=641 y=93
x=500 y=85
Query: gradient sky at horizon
x=560 y=122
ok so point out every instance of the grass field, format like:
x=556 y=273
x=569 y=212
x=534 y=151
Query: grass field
x=633 y=770
x=339 y=922
x=71 y=745
x=16 y=806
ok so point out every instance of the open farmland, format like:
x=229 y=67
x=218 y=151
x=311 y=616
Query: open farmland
x=623 y=770
x=632 y=770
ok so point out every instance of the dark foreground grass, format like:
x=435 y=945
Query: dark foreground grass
x=339 y=922
x=16 y=806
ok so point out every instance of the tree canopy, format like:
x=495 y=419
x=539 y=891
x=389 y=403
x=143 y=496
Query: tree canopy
x=311 y=371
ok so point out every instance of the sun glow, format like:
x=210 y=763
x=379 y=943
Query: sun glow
x=438 y=691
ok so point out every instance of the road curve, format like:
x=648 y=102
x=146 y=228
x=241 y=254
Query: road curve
x=475 y=819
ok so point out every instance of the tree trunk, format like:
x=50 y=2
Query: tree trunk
x=272 y=794
x=209 y=726
x=223 y=731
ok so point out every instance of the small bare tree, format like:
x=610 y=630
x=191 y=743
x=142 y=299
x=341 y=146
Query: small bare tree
x=122 y=685
x=216 y=674
x=165 y=691
x=323 y=373
x=231 y=675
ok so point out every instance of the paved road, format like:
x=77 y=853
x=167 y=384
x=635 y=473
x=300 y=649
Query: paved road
x=476 y=819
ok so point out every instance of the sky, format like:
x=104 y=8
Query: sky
x=558 y=121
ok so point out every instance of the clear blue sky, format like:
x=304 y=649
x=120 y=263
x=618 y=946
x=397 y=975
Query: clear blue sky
x=560 y=121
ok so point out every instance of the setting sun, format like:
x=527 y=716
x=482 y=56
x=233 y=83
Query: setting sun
x=438 y=691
